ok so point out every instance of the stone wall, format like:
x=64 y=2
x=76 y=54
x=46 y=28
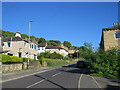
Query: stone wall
x=20 y=66
x=11 y=67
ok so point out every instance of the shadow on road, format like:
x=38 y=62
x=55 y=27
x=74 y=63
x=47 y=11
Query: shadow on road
x=51 y=82
x=73 y=69
x=112 y=87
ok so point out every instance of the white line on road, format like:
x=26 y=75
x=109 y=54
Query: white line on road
x=79 y=81
x=35 y=83
x=96 y=82
x=56 y=74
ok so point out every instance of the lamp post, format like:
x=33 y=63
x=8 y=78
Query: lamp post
x=29 y=28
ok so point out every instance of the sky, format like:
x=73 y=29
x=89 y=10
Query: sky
x=76 y=22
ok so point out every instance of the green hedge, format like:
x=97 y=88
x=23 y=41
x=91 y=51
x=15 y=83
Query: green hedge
x=26 y=59
x=7 y=59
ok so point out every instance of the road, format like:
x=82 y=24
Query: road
x=64 y=78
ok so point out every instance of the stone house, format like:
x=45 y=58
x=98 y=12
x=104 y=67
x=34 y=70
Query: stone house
x=110 y=37
x=16 y=46
x=41 y=48
x=52 y=49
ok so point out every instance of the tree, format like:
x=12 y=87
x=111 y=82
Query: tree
x=88 y=45
x=54 y=42
x=67 y=44
x=41 y=40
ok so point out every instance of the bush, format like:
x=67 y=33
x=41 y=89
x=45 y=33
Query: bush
x=26 y=59
x=50 y=55
x=16 y=59
x=6 y=59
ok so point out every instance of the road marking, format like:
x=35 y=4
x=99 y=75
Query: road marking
x=79 y=81
x=35 y=83
x=56 y=74
x=25 y=76
x=96 y=82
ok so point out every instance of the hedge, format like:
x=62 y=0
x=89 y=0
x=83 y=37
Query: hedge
x=7 y=59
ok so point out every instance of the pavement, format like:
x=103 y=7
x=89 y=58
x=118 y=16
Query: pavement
x=62 y=77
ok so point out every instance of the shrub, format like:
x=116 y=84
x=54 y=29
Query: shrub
x=6 y=59
x=50 y=55
x=16 y=59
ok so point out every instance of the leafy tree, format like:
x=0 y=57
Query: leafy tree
x=54 y=42
x=67 y=44
x=41 y=41
x=88 y=45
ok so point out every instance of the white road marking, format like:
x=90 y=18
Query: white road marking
x=24 y=76
x=79 y=81
x=35 y=83
x=56 y=74
x=96 y=82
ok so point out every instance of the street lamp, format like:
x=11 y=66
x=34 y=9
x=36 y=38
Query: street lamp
x=29 y=28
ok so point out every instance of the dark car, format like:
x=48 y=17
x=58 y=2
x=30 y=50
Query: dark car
x=81 y=64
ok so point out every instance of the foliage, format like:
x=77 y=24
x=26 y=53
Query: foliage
x=26 y=59
x=41 y=41
x=47 y=59
x=67 y=44
x=101 y=62
x=66 y=58
x=6 y=59
x=50 y=55
x=54 y=42
x=8 y=34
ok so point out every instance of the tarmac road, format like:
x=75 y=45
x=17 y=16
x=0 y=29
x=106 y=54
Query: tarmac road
x=64 y=78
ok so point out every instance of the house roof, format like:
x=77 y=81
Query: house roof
x=51 y=47
x=13 y=39
x=54 y=47
x=41 y=45
x=116 y=26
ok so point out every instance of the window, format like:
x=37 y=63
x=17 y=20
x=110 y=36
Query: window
x=35 y=47
x=32 y=45
x=117 y=35
x=8 y=44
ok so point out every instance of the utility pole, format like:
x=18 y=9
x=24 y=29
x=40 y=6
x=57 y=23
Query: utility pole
x=29 y=28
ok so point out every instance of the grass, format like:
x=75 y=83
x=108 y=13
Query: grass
x=50 y=59
x=57 y=63
x=104 y=75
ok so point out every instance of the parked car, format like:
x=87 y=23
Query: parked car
x=81 y=64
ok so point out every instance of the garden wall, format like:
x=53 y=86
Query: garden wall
x=20 y=66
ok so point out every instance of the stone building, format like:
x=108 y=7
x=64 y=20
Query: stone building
x=16 y=46
x=52 y=49
x=110 y=37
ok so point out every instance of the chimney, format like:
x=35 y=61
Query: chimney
x=18 y=34
x=116 y=24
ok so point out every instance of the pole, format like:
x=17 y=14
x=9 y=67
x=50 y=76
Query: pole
x=29 y=28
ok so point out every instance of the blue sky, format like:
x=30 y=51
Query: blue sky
x=76 y=22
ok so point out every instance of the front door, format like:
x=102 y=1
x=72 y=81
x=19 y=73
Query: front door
x=19 y=54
